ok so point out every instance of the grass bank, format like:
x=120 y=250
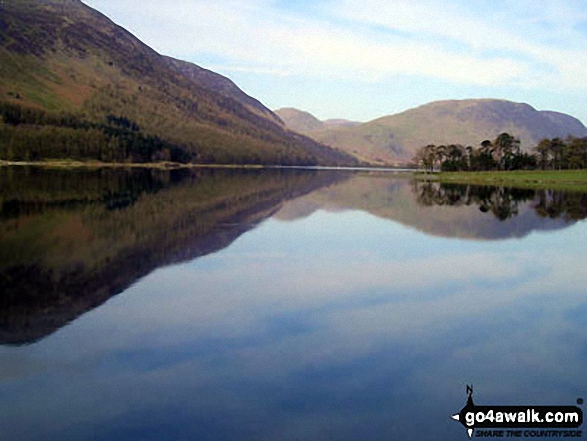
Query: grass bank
x=563 y=179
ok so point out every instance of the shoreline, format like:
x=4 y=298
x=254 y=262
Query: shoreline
x=99 y=164
x=556 y=179
x=177 y=165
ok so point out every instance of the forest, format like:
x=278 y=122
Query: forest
x=504 y=153
x=29 y=134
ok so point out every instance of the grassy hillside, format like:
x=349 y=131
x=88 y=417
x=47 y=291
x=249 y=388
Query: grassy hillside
x=62 y=56
x=395 y=138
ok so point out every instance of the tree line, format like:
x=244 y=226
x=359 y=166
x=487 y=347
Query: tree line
x=28 y=134
x=31 y=134
x=504 y=153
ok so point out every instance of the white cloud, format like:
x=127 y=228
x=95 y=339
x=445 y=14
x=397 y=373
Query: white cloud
x=501 y=45
x=542 y=37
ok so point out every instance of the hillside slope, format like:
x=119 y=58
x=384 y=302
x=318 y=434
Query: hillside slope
x=395 y=138
x=221 y=85
x=63 y=56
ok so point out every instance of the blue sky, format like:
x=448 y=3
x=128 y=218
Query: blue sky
x=361 y=59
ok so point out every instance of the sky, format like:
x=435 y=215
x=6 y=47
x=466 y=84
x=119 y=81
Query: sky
x=362 y=59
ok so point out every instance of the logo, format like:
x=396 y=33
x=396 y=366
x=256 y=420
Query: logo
x=516 y=421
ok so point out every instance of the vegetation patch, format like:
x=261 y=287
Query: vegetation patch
x=575 y=180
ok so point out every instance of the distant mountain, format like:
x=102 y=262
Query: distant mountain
x=306 y=123
x=61 y=56
x=298 y=120
x=395 y=138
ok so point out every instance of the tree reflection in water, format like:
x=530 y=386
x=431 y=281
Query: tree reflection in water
x=503 y=202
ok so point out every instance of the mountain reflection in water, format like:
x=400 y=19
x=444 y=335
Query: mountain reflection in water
x=70 y=240
x=280 y=304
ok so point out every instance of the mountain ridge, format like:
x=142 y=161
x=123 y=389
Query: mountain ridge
x=304 y=122
x=220 y=84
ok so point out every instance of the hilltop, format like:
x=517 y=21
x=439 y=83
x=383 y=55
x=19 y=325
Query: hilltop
x=395 y=138
x=70 y=76
x=306 y=123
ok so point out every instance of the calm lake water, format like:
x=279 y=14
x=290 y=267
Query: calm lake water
x=281 y=305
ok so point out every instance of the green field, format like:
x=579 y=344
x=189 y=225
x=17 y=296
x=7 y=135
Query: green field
x=563 y=179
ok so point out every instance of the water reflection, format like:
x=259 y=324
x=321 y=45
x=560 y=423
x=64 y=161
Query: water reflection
x=447 y=210
x=503 y=202
x=349 y=311
x=71 y=240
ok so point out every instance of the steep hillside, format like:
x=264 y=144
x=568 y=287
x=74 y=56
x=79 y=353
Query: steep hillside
x=571 y=124
x=62 y=56
x=395 y=138
x=221 y=85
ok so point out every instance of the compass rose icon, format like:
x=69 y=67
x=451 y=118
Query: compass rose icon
x=469 y=407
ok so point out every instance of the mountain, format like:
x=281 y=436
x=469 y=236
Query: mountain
x=67 y=67
x=395 y=138
x=306 y=123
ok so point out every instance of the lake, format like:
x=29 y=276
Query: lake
x=281 y=304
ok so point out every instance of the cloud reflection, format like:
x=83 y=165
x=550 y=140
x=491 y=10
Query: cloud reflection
x=337 y=325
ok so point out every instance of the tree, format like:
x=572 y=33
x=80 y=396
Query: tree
x=440 y=154
x=455 y=158
x=426 y=157
x=576 y=152
x=557 y=148
x=503 y=148
x=543 y=150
